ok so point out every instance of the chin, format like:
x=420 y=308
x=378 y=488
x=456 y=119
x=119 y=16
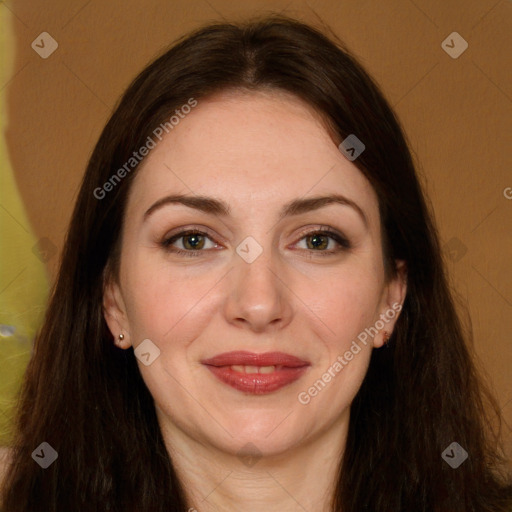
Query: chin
x=269 y=432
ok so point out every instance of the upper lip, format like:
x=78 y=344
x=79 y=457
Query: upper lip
x=245 y=358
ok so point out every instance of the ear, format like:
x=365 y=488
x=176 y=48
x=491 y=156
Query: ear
x=114 y=312
x=392 y=302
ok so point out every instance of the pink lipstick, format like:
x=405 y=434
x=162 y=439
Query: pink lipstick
x=257 y=374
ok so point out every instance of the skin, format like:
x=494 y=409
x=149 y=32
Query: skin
x=256 y=152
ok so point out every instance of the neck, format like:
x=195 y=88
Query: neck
x=302 y=478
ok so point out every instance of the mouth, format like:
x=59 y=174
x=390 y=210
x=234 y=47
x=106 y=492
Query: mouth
x=256 y=374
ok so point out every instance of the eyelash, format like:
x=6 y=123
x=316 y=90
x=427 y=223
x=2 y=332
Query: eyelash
x=324 y=230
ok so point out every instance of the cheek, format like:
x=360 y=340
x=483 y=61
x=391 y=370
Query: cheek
x=162 y=302
x=346 y=301
x=349 y=307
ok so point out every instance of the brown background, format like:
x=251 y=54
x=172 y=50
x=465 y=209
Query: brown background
x=457 y=114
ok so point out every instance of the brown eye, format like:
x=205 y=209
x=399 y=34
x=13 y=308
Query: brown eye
x=192 y=241
x=320 y=241
x=317 y=241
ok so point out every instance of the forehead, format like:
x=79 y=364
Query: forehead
x=258 y=148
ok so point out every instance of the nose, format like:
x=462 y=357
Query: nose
x=259 y=297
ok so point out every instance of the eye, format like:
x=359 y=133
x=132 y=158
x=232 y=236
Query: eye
x=319 y=240
x=192 y=241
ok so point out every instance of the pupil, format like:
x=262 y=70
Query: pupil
x=318 y=240
x=193 y=240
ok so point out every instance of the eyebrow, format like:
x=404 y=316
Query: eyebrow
x=215 y=206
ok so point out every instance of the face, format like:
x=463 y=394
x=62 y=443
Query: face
x=261 y=318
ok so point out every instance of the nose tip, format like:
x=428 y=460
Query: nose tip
x=258 y=321
x=257 y=296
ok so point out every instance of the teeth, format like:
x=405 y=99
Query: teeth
x=253 y=369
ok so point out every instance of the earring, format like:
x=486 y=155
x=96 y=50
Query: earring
x=386 y=338
x=121 y=337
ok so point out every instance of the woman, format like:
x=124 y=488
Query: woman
x=252 y=311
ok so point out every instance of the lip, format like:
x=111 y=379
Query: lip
x=243 y=357
x=288 y=369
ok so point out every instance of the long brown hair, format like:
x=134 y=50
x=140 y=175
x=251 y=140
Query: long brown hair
x=86 y=397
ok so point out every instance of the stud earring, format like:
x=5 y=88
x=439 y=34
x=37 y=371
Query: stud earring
x=386 y=338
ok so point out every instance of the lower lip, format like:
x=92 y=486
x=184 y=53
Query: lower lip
x=257 y=383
